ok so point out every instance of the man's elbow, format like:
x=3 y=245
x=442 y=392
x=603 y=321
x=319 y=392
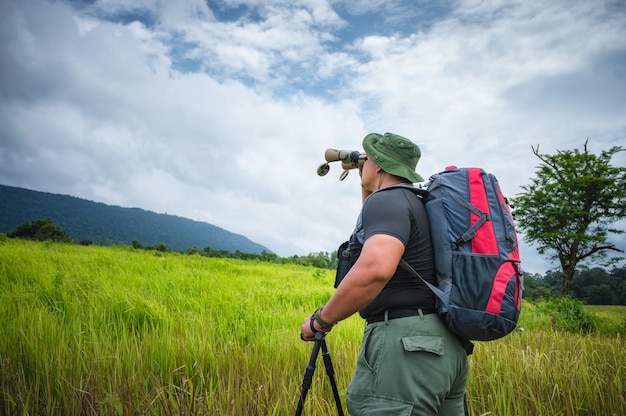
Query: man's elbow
x=375 y=273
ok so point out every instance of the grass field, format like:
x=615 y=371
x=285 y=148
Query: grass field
x=117 y=331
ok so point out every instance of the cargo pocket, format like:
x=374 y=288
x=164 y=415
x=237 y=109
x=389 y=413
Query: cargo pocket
x=371 y=348
x=426 y=343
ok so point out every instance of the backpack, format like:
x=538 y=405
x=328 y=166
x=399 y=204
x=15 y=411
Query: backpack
x=480 y=280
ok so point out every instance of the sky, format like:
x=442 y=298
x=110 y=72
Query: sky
x=220 y=111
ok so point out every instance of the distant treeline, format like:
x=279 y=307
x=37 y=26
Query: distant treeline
x=322 y=260
x=595 y=286
x=46 y=230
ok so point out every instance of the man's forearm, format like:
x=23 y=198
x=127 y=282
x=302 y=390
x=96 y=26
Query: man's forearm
x=355 y=292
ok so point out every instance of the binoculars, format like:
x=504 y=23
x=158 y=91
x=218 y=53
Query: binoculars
x=350 y=159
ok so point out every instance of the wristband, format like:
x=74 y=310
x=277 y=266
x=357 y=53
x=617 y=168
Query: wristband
x=325 y=326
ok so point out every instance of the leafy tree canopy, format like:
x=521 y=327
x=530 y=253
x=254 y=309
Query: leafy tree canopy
x=571 y=207
x=40 y=230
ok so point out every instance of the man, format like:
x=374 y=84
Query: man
x=409 y=363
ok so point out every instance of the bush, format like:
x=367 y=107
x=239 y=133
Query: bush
x=570 y=315
x=40 y=230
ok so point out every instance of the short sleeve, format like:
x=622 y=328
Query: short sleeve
x=387 y=213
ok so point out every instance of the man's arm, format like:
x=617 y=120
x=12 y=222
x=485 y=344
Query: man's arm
x=375 y=266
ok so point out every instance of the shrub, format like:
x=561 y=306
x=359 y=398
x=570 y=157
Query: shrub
x=570 y=315
x=40 y=230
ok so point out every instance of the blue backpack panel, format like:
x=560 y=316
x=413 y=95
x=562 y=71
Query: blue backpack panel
x=480 y=281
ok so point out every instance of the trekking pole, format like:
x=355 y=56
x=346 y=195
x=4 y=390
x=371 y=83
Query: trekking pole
x=330 y=371
x=310 y=370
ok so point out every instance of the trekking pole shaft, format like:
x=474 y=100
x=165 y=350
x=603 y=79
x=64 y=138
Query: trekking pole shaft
x=307 y=380
x=330 y=371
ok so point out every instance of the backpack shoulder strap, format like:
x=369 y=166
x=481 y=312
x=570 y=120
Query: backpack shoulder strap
x=421 y=192
x=438 y=292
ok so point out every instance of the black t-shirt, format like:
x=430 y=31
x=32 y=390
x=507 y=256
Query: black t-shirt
x=399 y=213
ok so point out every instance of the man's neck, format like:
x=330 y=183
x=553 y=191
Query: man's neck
x=388 y=179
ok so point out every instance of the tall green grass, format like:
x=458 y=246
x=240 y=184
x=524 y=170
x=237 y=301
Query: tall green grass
x=97 y=330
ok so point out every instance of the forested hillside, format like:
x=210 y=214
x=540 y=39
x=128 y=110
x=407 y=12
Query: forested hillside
x=103 y=224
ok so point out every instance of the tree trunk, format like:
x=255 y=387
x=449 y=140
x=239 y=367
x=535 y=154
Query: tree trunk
x=568 y=279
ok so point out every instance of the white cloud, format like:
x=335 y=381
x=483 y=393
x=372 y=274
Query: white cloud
x=174 y=107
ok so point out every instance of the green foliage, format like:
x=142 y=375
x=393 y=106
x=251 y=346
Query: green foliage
x=611 y=319
x=321 y=259
x=570 y=315
x=600 y=287
x=570 y=207
x=536 y=288
x=162 y=247
x=592 y=286
x=40 y=230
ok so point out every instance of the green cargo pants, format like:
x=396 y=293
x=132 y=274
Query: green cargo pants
x=409 y=366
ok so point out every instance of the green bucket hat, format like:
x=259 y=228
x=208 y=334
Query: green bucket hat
x=393 y=154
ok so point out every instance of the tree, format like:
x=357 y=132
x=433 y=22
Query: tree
x=571 y=207
x=40 y=230
x=601 y=294
x=535 y=287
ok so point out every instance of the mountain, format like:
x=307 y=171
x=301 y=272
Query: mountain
x=111 y=225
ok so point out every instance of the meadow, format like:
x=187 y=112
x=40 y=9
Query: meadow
x=89 y=330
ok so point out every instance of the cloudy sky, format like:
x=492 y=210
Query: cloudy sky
x=220 y=110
